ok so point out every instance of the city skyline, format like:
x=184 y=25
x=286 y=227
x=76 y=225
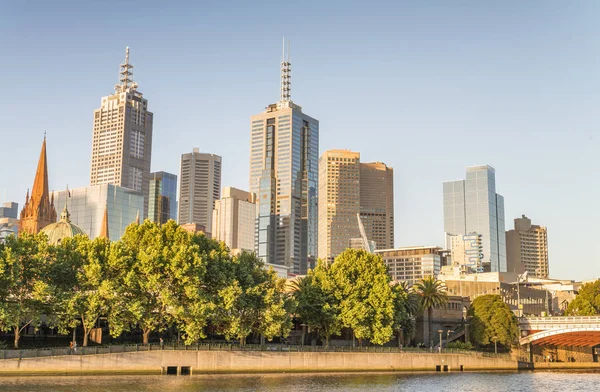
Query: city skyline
x=481 y=110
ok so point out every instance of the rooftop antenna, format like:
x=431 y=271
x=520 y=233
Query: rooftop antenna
x=126 y=75
x=286 y=74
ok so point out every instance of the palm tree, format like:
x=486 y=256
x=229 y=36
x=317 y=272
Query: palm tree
x=433 y=294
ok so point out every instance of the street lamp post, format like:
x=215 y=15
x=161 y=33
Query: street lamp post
x=440 y=332
x=495 y=339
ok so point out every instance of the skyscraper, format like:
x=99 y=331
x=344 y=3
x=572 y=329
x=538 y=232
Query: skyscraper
x=199 y=188
x=162 y=199
x=122 y=140
x=9 y=224
x=347 y=188
x=527 y=248
x=472 y=206
x=339 y=201
x=284 y=153
x=233 y=219
x=38 y=211
x=377 y=203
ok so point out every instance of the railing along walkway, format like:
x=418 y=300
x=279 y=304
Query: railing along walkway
x=96 y=350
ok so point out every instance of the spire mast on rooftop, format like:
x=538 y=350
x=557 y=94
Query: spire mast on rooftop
x=286 y=74
x=126 y=75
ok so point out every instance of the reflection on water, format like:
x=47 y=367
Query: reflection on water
x=372 y=382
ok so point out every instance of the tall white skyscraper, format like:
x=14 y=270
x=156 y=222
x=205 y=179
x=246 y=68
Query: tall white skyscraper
x=122 y=140
x=472 y=207
x=284 y=153
x=199 y=188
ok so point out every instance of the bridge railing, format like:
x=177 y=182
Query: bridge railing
x=95 y=350
x=561 y=319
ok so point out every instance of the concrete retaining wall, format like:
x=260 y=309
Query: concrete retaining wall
x=251 y=362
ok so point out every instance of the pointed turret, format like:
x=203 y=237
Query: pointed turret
x=137 y=218
x=104 y=226
x=38 y=211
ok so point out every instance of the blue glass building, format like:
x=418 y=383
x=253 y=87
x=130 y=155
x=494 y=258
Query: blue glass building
x=472 y=206
x=162 y=199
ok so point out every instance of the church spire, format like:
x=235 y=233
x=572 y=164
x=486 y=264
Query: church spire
x=38 y=211
x=40 y=184
x=104 y=226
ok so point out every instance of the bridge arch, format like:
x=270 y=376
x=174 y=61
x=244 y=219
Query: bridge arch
x=575 y=336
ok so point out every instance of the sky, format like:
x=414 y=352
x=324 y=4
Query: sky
x=428 y=87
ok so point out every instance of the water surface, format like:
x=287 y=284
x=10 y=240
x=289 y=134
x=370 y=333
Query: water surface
x=543 y=381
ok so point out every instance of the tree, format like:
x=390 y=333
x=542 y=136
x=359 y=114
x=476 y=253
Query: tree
x=587 y=301
x=253 y=301
x=26 y=293
x=433 y=295
x=160 y=274
x=366 y=301
x=317 y=305
x=491 y=317
x=406 y=308
x=89 y=293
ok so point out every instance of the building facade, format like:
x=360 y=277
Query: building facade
x=38 y=211
x=377 y=203
x=466 y=250
x=162 y=199
x=339 y=202
x=527 y=248
x=412 y=264
x=87 y=207
x=284 y=153
x=473 y=206
x=234 y=218
x=122 y=139
x=9 y=224
x=199 y=188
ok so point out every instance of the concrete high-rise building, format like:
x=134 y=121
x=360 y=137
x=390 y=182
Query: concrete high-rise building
x=412 y=264
x=527 y=248
x=339 y=202
x=9 y=210
x=377 y=203
x=234 y=218
x=162 y=199
x=101 y=210
x=347 y=188
x=38 y=211
x=122 y=140
x=284 y=153
x=199 y=188
x=472 y=206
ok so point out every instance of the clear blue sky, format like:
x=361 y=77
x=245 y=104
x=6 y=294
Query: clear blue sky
x=426 y=87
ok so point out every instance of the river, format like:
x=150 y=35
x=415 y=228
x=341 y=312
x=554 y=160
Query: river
x=543 y=381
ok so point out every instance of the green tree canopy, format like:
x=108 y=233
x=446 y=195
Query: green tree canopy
x=406 y=308
x=587 y=301
x=366 y=300
x=318 y=306
x=26 y=292
x=490 y=317
x=252 y=301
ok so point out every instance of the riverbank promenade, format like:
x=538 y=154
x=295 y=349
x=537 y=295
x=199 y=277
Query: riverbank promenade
x=220 y=358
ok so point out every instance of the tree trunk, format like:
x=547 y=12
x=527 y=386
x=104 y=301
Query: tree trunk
x=17 y=336
x=146 y=335
x=86 y=334
x=242 y=341
x=326 y=340
x=430 y=323
x=400 y=337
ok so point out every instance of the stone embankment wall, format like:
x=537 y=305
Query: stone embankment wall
x=205 y=362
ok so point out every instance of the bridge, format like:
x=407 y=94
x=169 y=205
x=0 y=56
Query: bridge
x=581 y=331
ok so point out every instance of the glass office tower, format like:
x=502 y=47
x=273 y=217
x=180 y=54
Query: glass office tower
x=473 y=206
x=284 y=153
x=162 y=200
